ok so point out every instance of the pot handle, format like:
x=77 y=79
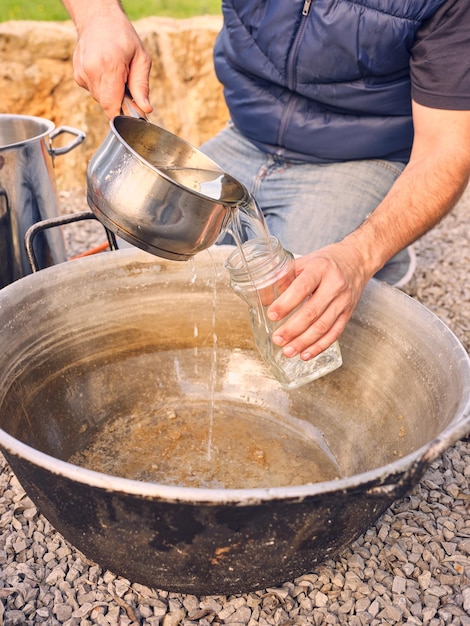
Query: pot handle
x=79 y=138
x=415 y=472
x=59 y=220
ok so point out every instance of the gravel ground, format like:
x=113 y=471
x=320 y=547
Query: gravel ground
x=413 y=567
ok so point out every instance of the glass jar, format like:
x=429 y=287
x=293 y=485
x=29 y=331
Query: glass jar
x=259 y=272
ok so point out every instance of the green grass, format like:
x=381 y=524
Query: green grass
x=53 y=9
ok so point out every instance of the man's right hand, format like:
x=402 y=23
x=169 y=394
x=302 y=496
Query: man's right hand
x=109 y=54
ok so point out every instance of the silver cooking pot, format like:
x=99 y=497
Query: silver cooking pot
x=158 y=192
x=123 y=345
x=28 y=191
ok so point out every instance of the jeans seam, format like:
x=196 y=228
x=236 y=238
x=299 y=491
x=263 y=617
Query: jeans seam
x=390 y=166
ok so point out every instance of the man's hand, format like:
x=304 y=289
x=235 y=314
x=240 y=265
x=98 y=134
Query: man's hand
x=109 y=54
x=333 y=278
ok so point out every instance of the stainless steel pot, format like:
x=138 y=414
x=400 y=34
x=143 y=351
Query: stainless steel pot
x=28 y=191
x=159 y=192
x=123 y=344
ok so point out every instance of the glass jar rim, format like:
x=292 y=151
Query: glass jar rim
x=255 y=252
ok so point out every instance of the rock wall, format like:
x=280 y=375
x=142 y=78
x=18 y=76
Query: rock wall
x=36 y=78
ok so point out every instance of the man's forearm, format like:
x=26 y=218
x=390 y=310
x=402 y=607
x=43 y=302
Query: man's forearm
x=428 y=188
x=83 y=10
x=419 y=199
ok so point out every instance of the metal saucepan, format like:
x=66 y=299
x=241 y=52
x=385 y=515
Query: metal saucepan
x=135 y=359
x=28 y=190
x=158 y=192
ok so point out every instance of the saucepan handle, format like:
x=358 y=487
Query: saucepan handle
x=53 y=222
x=411 y=477
x=129 y=107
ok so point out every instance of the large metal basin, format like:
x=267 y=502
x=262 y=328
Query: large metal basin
x=92 y=344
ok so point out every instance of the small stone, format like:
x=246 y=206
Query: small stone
x=338 y=580
x=55 y=576
x=437 y=591
x=108 y=577
x=424 y=579
x=242 y=615
x=306 y=604
x=19 y=546
x=16 y=618
x=398 y=552
x=408 y=569
x=453 y=490
x=321 y=599
x=356 y=561
x=449 y=579
x=30 y=513
x=399 y=584
x=416 y=608
x=63 y=612
x=83 y=610
x=224 y=614
x=121 y=586
x=362 y=605
x=145 y=611
x=391 y=613
x=346 y=607
x=62 y=552
x=431 y=600
x=466 y=599
x=352 y=581
x=428 y=613
x=190 y=603
x=374 y=608
x=383 y=532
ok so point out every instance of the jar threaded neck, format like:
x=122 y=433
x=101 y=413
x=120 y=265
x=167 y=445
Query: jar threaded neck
x=258 y=261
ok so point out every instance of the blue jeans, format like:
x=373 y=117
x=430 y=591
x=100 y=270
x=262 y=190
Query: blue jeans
x=308 y=206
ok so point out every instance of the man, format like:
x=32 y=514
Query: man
x=350 y=125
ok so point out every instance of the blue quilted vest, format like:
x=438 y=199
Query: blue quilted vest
x=321 y=80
